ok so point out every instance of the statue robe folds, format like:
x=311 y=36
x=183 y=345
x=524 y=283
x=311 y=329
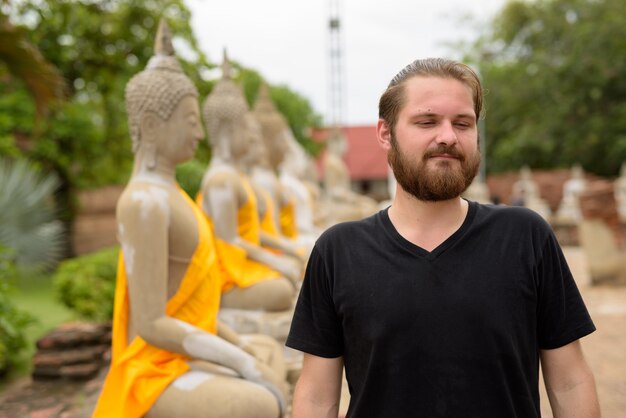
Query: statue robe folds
x=139 y=371
x=288 y=220
x=242 y=271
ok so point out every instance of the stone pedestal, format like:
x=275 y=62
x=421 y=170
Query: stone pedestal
x=597 y=201
x=73 y=351
x=601 y=234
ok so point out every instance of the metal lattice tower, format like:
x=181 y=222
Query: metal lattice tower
x=335 y=65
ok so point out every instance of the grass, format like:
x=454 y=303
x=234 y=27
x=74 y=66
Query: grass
x=35 y=295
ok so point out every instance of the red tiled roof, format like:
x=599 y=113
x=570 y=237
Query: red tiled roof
x=365 y=159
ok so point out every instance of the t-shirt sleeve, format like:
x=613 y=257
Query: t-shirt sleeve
x=316 y=328
x=562 y=314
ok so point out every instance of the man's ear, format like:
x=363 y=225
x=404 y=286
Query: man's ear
x=150 y=126
x=383 y=134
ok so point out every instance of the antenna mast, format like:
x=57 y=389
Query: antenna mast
x=335 y=83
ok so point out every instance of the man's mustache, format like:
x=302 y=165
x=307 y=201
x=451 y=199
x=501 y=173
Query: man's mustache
x=445 y=149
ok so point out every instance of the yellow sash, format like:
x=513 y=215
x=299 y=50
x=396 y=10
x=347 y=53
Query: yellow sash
x=288 y=220
x=248 y=224
x=240 y=270
x=268 y=224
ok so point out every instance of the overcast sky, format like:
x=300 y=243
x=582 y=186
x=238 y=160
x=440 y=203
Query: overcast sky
x=287 y=41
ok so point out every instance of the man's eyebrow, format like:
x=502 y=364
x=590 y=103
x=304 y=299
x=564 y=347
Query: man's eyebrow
x=466 y=115
x=433 y=114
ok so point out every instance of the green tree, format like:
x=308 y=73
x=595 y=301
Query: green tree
x=98 y=46
x=24 y=61
x=556 y=94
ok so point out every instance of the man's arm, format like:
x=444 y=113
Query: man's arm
x=319 y=387
x=569 y=382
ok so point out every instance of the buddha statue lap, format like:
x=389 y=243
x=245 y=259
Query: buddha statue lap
x=170 y=355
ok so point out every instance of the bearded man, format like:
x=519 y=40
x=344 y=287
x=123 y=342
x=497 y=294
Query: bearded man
x=439 y=306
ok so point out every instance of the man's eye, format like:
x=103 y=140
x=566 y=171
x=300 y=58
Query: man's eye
x=426 y=123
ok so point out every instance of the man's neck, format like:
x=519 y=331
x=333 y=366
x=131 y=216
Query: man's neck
x=426 y=224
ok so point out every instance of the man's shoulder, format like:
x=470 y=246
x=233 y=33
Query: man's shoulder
x=512 y=220
x=506 y=213
x=350 y=230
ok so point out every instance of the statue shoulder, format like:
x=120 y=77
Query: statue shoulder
x=221 y=176
x=144 y=202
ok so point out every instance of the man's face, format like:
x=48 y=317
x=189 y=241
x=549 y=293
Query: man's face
x=434 y=144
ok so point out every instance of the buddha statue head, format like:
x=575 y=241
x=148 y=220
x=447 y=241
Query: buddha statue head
x=273 y=125
x=256 y=154
x=154 y=98
x=337 y=143
x=224 y=111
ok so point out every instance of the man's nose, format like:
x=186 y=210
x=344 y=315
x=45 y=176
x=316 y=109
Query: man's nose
x=447 y=134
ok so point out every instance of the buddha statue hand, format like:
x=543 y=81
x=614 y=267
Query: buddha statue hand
x=263 y=375
x=215 y=349
x=248 y=348
x=291 y=268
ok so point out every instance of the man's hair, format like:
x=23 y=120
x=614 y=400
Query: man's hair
x=394 y=96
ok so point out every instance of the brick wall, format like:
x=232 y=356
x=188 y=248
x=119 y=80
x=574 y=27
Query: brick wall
x=94 y=227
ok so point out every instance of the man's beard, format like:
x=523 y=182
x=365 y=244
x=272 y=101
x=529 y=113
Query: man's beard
x=443 y=182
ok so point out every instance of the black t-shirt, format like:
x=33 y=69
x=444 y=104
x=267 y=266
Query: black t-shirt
x=454 y=332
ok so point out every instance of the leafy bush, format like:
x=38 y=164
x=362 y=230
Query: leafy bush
x=13 y=322
x=86 y=284
x=189 y=176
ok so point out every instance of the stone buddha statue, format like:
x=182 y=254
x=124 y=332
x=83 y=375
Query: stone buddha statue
x=569 y=209
x=261 y=279
x=343 y=203
x=279 y=223
x=294 y=173
x=526 y=193
x=170 y=356
x=477 y=191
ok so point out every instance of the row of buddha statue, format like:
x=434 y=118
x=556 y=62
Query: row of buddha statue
x=526 y=193
x=241 y=243
x=597 y=212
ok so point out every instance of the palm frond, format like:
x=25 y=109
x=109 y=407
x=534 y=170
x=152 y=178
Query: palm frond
x=25 y=62
x=28 y=217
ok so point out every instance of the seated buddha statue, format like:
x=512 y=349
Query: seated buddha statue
x=279 y=222
x=295 y=181
x=526 y=193
x=261 y=279
x=569 y=208
x=344 y=204
x=171 y=357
